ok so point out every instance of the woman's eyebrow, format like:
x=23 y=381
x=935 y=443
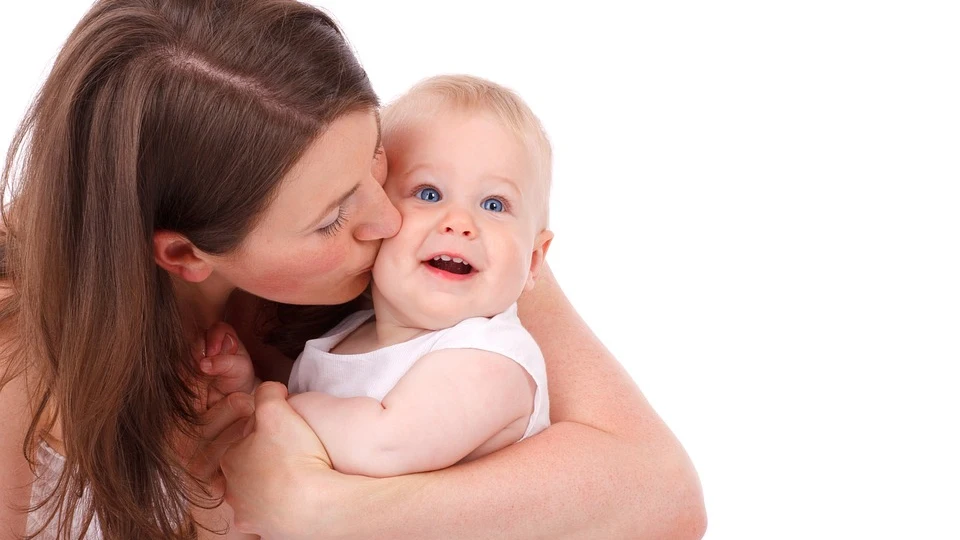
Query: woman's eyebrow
x=342 y=199
x=376 y=147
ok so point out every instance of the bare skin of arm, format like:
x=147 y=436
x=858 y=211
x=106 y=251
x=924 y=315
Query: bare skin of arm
x=607 y=468
x=16 y=480
x=16 y=412
x=222 y=424
x=451 y=403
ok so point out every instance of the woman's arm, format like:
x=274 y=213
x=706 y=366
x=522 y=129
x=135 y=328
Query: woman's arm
x=607 y=468
x=17 y=479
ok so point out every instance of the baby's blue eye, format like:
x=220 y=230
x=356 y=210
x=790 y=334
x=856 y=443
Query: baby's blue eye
x=428 y=194
x=493 y=205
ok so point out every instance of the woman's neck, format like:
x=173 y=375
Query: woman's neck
x=201 y=304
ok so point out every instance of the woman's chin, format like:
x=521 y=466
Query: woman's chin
x=325 y=295
x=352 y=288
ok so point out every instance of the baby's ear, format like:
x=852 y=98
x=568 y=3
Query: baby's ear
x=540 y=247
x=177 y=255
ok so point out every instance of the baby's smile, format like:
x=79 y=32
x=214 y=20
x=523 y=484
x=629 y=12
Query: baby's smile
x=450 y=266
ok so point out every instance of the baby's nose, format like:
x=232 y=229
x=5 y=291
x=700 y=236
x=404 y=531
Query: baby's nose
x=463 y=231
x=460 y=223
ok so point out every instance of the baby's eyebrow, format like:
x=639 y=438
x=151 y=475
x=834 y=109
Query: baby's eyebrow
x=509 y=181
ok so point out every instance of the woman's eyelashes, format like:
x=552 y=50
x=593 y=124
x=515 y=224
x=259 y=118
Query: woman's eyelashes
x=333 y=228
x=431 y=194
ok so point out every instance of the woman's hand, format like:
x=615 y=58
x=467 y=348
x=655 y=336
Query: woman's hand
x=220 y=426
x=224 y=403
x=279 y=480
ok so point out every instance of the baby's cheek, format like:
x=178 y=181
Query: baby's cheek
x=519 y=265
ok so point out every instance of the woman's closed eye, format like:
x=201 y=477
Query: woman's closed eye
x=333 y=227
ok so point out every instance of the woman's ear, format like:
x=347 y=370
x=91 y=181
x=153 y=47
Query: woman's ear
x=540 y=247
x=177 y=255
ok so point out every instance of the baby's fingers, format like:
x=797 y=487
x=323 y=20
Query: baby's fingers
x=230 y=373
x=221 y=338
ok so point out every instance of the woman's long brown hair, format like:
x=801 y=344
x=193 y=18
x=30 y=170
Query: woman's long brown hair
x=178 y=115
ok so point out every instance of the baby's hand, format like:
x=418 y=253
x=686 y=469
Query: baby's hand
x=226 y=360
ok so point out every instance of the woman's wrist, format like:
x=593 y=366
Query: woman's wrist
x=359 y=507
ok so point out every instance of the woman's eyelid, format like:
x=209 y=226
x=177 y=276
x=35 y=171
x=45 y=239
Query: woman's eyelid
x=331 y=217
x=337 y=217
x=336 y=225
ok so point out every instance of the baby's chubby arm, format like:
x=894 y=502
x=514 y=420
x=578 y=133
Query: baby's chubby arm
x=448 y=404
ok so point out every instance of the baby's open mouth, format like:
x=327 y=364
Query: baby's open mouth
x=454 y=265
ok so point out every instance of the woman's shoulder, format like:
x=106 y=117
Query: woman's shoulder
x=16 y=414
x=15 y=372
x=8 y=327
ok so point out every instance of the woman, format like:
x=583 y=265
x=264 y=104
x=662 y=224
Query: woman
x=182 y=150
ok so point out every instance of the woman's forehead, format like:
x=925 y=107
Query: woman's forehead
x=331 y=166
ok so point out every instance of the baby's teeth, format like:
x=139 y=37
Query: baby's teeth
x=437 y=258
x=457 y=260
x=444 y=257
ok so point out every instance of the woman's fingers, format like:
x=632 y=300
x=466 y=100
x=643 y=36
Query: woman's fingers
x=265 y=470
x=213 y=396
x=221 y=426
x=274 y=425
x=266 y=400
x=236 y=406
x=270 y=393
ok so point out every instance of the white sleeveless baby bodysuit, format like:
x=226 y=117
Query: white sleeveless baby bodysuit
x=375 y=373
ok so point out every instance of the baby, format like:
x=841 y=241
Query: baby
x=441 y=370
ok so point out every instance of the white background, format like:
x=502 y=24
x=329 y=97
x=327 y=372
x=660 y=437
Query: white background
x=756 y=208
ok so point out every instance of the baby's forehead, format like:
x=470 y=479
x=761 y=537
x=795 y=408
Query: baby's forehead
x=404 y=124
x=509 y=153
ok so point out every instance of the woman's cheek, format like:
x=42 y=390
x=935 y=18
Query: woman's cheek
x=328 y=262
x=301 y=277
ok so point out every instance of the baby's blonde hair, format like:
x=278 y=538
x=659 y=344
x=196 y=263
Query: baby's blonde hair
x=472 y=94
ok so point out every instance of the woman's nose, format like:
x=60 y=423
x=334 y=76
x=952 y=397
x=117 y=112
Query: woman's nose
x=381 y=218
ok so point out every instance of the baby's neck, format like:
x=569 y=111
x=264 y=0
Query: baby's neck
x=387 y=328
x=376 y=334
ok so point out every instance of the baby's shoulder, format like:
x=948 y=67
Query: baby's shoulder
x=502 y=333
